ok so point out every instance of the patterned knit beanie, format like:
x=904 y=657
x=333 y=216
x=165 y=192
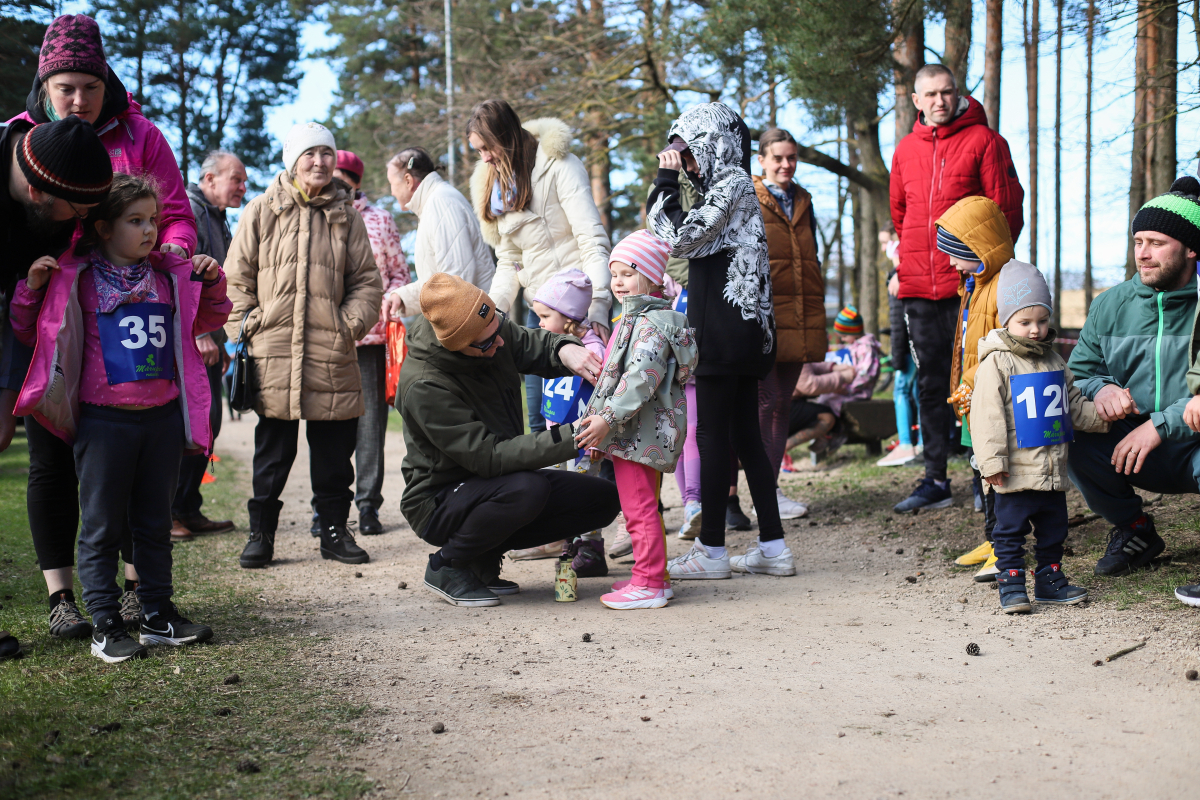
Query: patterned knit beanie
x=1019 y=286
x=645 y=252
x=951 y=245
x=848 y=322
x=1176 y=214
x=72 y=44
x=66 y=159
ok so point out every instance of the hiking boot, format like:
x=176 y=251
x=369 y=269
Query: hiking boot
x=977 y=556
x=338 y=544
x=459 y=587
x=1013 y=598
x=1130 y=547
x=259 y=550
x=927 y=495
x=198 y=523
x=131 y=609
x=587 y=558
x=67 y=623
x=692 y=516
x=487 y=568
x=697 y=564
x=168 y=626
x=1189 y=595
x=987 y=573
x=1051 y=586
x=368 y=522
x=112 y=644
x=755 y=563
x=550 y=550
x=735 y=520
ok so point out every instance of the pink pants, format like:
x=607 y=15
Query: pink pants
x=639 y=485
x=687 y=471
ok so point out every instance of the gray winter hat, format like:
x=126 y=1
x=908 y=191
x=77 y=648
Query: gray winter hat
x=1020 y=286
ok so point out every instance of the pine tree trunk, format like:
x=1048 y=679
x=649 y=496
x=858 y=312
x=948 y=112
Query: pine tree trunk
x=1087 y=164
x=908 y=57
x=1032 y=44
x=1058 y=167
x=958 y=40
x=992 y=53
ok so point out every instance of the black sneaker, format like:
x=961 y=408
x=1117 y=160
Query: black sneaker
x=169 y=627
x=368 y=522
x=259 y=550
x=927 y=495
x=1131 y=547
x=1051 y=586
x=338 y=544
x=67 y=623
x=459 y=587
x=487 y=569
x=315 y=530
x=1189 y=595
x=111 y=644
x=131 y=610
x=735 y=520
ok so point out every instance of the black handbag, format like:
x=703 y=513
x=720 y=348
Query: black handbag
x=241 y=385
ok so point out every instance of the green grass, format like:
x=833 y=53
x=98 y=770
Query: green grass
x=183 y=731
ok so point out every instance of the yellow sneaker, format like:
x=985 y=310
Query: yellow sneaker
x=989 y=571
x=977 y=556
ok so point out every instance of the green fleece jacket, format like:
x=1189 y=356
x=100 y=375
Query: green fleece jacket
x=463 y=418
x=1139 y=339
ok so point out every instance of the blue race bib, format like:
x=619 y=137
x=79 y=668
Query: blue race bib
x=681 y=303
x=564 y=399
x=1041 y=411
x=841 y=356
x=138 y=342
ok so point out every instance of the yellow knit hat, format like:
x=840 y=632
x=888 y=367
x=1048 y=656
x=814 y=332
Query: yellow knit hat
x=458 y=311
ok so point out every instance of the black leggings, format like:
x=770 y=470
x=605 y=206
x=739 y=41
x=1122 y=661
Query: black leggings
x=725 y=405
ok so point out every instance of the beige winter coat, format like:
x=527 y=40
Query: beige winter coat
x=306 y=273
x=993 y=434
x=560 y=230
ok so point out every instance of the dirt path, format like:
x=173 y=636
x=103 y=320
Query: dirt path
x=845 y=681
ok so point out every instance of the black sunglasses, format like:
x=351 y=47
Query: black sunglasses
x=487 y=343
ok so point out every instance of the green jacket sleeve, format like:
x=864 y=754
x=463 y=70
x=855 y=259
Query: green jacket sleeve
x=646 y=365
x=453 y=429
x=534 y=351
x=1088 y=364
x=1169 y=422
x=1084 y=416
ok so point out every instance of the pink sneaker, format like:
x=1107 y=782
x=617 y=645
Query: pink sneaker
x=632 y=597
x=667 y=590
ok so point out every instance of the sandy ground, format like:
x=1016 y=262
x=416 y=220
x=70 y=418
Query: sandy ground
x=845 y=681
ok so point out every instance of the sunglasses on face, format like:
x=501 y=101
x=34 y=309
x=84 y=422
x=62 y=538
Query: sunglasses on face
x=487 y=343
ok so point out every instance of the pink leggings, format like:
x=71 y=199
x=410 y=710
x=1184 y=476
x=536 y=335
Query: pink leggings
x=687 y=471
x=639 y=485
x=774 y=409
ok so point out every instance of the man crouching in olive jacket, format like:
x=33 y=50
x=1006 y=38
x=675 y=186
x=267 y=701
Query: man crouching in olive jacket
x=474 y=483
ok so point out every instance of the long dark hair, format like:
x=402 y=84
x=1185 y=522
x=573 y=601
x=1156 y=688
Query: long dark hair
x=126 y=190
x=498 y=125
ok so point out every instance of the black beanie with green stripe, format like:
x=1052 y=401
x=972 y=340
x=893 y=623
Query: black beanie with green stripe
x=1176 y=214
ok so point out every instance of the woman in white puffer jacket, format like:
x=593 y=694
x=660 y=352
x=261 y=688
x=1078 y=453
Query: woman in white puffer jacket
x=448 y=235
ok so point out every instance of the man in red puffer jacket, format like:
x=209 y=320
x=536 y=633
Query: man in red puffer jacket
x=951 y=154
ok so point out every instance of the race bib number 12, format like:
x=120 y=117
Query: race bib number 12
x=1041 y=410
x=138 y=342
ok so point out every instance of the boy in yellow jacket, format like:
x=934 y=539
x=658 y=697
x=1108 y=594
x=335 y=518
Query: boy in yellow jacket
x=975 y=234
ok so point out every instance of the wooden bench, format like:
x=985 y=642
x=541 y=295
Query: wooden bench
x=867 y=422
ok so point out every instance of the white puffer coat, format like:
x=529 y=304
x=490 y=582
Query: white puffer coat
x=448 y=240
x=560 y=230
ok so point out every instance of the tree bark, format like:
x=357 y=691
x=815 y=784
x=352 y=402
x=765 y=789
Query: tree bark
x=874 y=213
x=958 y=40
x=908 y=57
x=1033 y=33
x=1058 y=167
x=1087 y=164
x=992 y=53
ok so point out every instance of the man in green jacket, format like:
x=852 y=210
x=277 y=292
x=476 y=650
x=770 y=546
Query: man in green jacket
x=1132 y=361
x=474 y=483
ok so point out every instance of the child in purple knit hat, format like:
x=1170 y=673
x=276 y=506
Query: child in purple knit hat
x=562 y=306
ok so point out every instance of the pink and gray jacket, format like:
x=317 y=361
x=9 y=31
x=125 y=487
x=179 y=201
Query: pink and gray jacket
x=51 y=321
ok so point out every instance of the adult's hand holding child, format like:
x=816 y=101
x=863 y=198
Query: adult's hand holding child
x=581 y=361
x=1114 y=403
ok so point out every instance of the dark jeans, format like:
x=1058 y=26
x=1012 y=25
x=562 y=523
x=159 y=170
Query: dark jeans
x=330 y=449
x=1171 y=468
x=52 y=497
x=1016 y=512
x=372 y=426
x=191 y=468
x=512 y=512
x=128 y=464
x=533 y=385
x=727 y=405
x=931 y=325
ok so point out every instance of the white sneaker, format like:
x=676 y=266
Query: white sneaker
x=622 y=545
x=696 y=564
x=691 y=520
x=900 y=455
x=755 y=563
x=788 y=508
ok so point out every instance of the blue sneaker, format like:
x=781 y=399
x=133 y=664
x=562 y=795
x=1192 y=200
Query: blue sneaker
x=1051 y=586
x=1014 y=599
x=927 y=495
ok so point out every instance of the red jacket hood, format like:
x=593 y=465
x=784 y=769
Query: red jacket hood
x=972 y=115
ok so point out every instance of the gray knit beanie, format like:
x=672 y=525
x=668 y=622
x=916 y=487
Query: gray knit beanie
x=1020 y=286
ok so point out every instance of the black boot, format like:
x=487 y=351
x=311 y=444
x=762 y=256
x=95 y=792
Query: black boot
x=1051 y=586
x=1013 y=597
x=339 y=545
x=368 y=522
x=259 y=550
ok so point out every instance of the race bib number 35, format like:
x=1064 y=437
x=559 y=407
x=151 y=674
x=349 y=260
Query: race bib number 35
x=138 y=342
x=1041 y=410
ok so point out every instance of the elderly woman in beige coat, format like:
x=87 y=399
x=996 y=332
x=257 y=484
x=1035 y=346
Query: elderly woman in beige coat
x=304 y=287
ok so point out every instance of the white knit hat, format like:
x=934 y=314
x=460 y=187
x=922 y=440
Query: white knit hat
x=303 y=136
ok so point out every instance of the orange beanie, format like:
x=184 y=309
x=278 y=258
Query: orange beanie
x=458 y=311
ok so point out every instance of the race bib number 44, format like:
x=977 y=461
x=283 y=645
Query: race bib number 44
x=1041 y=410
x=138 y=342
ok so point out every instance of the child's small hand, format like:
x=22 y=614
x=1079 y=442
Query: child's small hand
x=592 y=431
x=1191 y=413
x=39 y=272
x=206 y=267
x=997 y=479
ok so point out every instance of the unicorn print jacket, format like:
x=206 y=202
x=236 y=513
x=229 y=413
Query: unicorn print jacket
x=640 y=393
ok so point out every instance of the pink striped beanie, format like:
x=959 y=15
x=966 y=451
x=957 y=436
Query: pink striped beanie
x=645 y=252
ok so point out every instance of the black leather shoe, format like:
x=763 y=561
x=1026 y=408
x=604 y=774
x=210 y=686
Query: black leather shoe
x=315 y=530
x=259 y=550
x=368 y=522
x=338 y=544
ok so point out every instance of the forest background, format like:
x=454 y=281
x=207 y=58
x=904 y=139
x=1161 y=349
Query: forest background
x=1096 y=98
